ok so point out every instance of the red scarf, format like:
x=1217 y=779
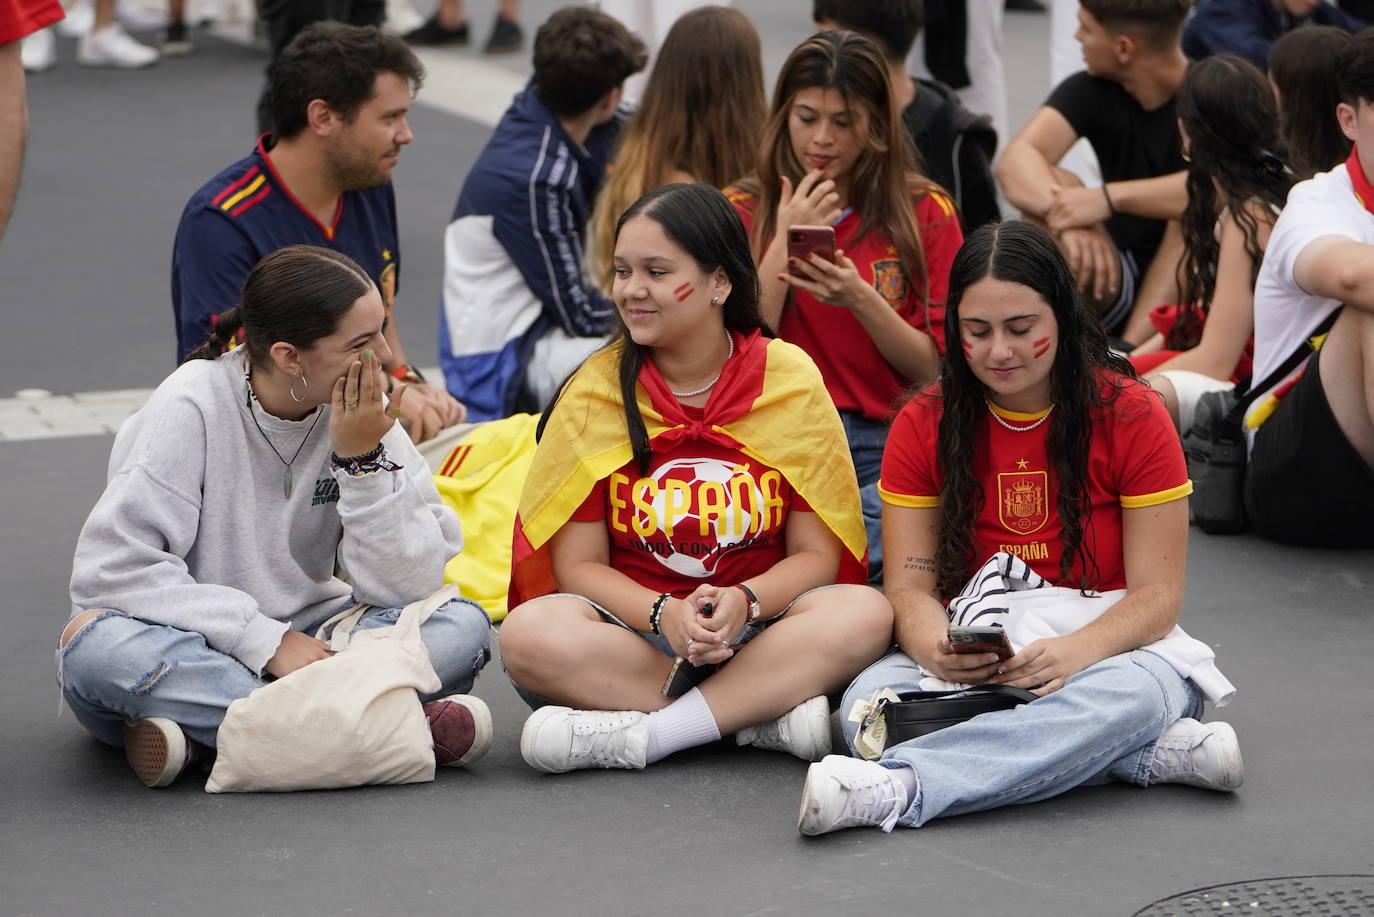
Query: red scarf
x=1364 y=191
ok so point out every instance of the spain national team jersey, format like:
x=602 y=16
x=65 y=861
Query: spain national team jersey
x=1134 y=460
x=703 y=513
x=21 y=18
x=855 y=372
x=245 y=213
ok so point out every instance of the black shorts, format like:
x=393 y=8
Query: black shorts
x=1306 y=484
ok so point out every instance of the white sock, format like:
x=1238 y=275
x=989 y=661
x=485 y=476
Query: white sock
x=685 y=723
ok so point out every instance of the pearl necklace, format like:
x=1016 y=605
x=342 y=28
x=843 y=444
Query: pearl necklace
x=712 y=384
x=1015 y=429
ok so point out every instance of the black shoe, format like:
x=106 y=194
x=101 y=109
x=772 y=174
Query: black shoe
x=1026 y=6
x=506 y=36
x=176 y=40
x=434 y=33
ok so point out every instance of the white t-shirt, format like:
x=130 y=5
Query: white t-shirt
x=1325 y=205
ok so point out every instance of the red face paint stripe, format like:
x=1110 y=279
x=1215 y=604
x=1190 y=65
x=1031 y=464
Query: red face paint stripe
x=1043 y=341
x=1042 y=349
x=682 y=292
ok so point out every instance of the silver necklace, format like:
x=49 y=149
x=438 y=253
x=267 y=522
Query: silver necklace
x=253 y=396
x=712 y=384
x=1012 y=427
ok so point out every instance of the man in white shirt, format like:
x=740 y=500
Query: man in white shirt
x=1311 y=477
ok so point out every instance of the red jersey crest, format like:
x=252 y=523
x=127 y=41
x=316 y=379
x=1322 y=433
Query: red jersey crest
x=890 y=282
x=1021 y=503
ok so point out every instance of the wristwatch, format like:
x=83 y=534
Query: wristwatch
x=406 y=373
x=755 y=609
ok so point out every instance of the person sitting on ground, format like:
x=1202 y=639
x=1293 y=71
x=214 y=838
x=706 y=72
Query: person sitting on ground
x=699 y=119
x=1121 y=239
x=1311 y=474
x=517 y=312
x=1249 y=28
x=689 y=494
x=834 y=155
x=235 y=494
x=340 y=95
x=954 y=147
x=1302 y=71
x=1237 y=185
x=1040 y=443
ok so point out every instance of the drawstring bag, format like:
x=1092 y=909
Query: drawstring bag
x=349 y=720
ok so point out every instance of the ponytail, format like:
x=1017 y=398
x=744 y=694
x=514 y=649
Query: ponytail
x=224 y=329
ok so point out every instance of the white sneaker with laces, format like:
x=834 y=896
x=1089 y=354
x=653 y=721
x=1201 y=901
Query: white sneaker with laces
x=79 y=20
x=844 y=792
x=1205 y=755
x=113 y=47
x=803 y=731
x=39 y=51
x=559 y=739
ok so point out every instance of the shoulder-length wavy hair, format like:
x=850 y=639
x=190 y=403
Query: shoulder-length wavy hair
x=1303 y=66
x=1020 y=253
x=700 y=220
x=1235 y=160
x=701 y=114
x=885 y=174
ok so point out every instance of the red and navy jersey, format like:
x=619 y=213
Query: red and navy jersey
x=244 y=214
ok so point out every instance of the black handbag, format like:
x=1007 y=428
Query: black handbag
x=920 y=713
x=1216 y=450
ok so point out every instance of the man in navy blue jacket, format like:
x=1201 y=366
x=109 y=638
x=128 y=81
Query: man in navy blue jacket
x=1250 y=27
x=517 y=312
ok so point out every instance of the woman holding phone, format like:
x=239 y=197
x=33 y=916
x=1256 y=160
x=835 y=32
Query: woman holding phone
x=1041 y=443
x=689 y=498
x=834 y=155
x=236 y=492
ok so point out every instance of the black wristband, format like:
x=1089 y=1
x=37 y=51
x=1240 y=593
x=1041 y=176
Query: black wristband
x=656 y=613
x=368 y=462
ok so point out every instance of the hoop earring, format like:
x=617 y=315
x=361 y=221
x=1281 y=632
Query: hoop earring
x=304 y=388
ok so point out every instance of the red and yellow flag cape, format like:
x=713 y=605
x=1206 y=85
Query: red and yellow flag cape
x=770 y=403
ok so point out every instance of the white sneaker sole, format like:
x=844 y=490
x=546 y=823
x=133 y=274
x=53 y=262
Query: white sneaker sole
x=816 y=717
x=808 y=817
x=1234 y=763
x=156 y=749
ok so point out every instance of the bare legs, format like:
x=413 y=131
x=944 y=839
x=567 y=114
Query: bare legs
x=1347 y=375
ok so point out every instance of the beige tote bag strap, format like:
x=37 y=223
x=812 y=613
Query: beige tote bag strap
x=342 y=624
x=416 y=613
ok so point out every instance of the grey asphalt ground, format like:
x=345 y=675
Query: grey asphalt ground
x=83 y=285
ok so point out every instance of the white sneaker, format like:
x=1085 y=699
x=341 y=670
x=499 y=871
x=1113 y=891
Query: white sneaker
x=803 y=731
x=402 y=17
x=559 y=739
x=79 y=20
x=1205 y=755
x=846 y=792
x=112 y=47
x=39 y=51
x=157 y=750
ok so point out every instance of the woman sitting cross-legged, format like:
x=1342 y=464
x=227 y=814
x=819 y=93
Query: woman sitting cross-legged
x=691 y=494
x=235 y=493
x=1039 y=444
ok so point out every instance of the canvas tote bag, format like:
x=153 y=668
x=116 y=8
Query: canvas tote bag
x=349 y=720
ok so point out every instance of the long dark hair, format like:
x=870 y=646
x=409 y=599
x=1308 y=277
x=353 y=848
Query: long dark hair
x=1303 y=66
x=700 y=220
x=885 y=175
x=297 y=294
x=1020 y=253
x=1228 y=111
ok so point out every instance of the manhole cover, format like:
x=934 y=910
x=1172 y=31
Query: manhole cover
x=1287 y=896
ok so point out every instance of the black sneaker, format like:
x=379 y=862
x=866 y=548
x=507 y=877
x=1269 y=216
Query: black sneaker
x=176 y=40
x=506 y=36
x=434 y=33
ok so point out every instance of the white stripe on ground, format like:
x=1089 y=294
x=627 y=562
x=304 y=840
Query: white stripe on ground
x=36 y=414
x=458 y=85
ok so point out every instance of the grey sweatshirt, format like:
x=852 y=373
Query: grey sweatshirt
x=193 y=530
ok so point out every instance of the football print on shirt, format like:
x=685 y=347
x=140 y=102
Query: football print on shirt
x=688 y=514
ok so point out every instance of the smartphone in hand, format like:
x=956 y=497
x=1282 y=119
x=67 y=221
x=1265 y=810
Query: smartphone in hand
x=803 y=241
x=980 y=640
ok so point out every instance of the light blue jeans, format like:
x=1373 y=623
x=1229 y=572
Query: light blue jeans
x=1100 y=727
x=866 y=439
x=117 y=668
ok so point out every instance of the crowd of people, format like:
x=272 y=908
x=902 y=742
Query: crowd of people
x=767 y=474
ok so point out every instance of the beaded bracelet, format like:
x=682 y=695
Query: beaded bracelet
x=656 y=614
x=366 y=463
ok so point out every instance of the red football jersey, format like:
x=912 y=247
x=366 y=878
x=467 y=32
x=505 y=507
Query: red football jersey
x=21 y=18
x=855 y=373
x=1135 y=459
x=704 y=513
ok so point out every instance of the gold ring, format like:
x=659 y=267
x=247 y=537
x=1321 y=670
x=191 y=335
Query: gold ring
x=350 y=404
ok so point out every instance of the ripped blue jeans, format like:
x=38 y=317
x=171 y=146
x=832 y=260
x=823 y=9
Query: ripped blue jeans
x=117 y=668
